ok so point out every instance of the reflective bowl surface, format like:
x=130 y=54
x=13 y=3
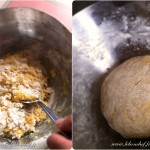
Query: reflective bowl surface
x=49 y=42
x=105 y=34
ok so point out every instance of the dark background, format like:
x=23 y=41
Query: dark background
x=79 y=5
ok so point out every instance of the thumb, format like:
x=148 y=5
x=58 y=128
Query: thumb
x=65 y=124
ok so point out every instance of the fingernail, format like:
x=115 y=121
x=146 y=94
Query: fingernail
x=60 y=121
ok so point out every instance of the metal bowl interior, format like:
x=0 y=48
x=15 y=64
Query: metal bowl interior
x=49 y=42
x=104 y=35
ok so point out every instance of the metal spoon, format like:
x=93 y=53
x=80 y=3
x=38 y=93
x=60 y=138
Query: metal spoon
x=50 y=113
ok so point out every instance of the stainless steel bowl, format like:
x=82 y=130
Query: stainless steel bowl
x=104 y=35
x=50 y=42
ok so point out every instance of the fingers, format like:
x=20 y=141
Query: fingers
x=65 y=124
x=56 y=141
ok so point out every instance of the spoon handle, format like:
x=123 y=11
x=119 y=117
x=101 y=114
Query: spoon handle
x=53 y=117
x=49 y=112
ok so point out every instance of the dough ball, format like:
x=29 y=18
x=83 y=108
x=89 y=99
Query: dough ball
x=125 y=98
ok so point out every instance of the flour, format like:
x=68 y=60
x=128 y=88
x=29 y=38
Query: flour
x=20 y=81
x=2 y=121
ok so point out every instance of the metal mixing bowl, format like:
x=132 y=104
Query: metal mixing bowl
x=49 y=42
x=104 y=35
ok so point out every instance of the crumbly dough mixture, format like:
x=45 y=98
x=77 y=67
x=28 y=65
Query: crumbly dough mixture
x=21 y=79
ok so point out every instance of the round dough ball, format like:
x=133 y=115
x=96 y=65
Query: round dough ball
x=125 y=98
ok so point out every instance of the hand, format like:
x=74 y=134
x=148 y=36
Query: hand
x=58 y=141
